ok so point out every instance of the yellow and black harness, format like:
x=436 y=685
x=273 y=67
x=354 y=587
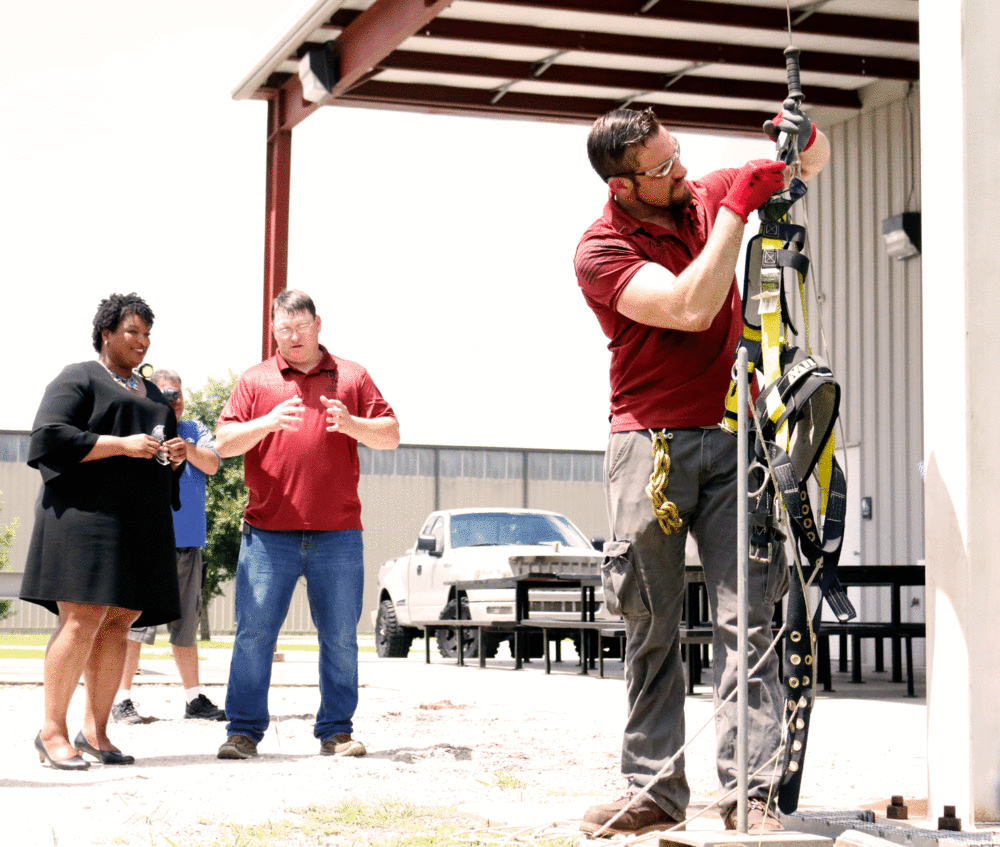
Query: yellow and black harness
x=793 y=444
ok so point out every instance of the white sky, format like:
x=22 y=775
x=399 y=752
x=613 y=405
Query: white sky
x=438 y=249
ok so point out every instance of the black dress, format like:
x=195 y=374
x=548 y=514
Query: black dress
x=103 y=531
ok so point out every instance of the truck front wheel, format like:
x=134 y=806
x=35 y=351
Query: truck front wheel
x=392 y=641
x=447 y=637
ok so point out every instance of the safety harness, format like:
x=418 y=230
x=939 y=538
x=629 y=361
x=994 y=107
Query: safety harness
x=793 y=442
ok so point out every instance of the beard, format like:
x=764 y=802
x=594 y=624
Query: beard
x=681 y=198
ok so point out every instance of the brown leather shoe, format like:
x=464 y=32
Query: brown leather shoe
x=237 y=747
x=640 y=817
x=342 y=744
x=760 y=818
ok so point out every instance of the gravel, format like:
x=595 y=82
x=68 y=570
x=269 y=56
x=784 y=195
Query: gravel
x=498 y=746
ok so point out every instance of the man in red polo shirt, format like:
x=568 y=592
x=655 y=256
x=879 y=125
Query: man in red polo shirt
x=298 y=418
x=658 y=271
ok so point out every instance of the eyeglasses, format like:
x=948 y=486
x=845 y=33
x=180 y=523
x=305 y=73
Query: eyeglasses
x=287 y=332
x=661 y=170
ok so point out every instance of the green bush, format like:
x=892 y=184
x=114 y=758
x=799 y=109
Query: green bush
x=226 y=495
x=6 y=542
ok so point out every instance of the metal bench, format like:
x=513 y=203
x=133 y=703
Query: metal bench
x=899 y=633
x=603 y=630
x=856 y=630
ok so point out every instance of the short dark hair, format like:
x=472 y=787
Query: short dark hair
x=113 y=310
x=293 y=300
x=615 y=137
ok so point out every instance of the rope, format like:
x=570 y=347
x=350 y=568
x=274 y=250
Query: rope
x=665 y=511
x=543 y=833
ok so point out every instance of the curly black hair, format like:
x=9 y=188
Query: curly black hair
x=114 y=309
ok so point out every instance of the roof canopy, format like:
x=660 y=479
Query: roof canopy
x=701 y=64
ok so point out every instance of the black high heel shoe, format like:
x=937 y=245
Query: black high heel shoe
x=105 y=757
x=77 y=763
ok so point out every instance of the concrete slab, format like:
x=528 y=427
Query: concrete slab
x=728 y=838
x=855 y=828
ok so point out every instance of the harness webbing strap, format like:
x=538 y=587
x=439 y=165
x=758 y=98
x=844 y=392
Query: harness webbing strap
x=751 y=341
x=796 y=413
x=794 y=418
x=770 y=323
x=774 y=249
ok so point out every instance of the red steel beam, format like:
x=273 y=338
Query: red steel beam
x=451 y=63
x=277 y=204
x=370 y=37
x=587 y=41
x=366 y=41
x=454 y=100
x=745 y=17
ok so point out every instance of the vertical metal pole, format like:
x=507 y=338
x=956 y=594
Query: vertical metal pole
x=742 y=569
x=276 y=211
x=524 y=479
x=437 y=478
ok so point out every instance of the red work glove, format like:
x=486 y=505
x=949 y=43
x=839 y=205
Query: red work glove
x=757 y=181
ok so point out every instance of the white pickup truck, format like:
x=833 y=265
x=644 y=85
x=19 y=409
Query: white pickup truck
x=474 y=544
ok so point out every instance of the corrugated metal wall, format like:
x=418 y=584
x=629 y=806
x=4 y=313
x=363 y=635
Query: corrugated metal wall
x=397 y=501
x=871 y=312
x=398 y=490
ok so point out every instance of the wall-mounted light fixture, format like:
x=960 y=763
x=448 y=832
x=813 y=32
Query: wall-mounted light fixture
x=902 y=235
x=319 y=71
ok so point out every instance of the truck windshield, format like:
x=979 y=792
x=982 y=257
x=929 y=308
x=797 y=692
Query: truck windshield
x=503 y=529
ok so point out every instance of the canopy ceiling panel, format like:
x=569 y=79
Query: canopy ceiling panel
x=701 y=64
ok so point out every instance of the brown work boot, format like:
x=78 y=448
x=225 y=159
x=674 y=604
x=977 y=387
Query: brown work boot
x=237 y=747
x=641 y=816
x=760 y=818
x=342 y=744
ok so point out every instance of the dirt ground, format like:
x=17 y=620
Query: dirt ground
x=505 y=747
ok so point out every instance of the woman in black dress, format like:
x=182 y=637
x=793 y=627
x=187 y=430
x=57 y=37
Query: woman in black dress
x=102 y=551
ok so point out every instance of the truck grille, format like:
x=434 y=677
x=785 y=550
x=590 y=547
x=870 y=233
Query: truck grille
x=573 y=606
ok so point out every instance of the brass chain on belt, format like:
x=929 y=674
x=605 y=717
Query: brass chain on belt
x=665 y=511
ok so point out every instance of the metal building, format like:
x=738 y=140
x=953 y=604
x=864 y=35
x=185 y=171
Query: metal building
x=398 y=490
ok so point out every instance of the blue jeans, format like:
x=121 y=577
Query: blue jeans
x=269 y=566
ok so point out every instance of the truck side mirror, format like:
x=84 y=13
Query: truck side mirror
x=598 y=543
x=429 y=544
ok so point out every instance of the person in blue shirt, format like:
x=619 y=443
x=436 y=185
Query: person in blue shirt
x=190 y=528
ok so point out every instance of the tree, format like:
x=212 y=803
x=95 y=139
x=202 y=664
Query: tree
x=6 y=542
x=225 y=499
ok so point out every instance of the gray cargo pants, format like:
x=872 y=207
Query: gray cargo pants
x=643 y=575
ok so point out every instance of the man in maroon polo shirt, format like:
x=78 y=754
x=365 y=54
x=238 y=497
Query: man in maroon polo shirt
x=658 y=271
x=298 y=417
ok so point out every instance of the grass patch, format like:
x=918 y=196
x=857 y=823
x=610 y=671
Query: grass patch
x=13 y=646
x=228 y=645
x=506 y=781
x=21 y=639
x=356 y=823
x=41 y=639
x=21 y=653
